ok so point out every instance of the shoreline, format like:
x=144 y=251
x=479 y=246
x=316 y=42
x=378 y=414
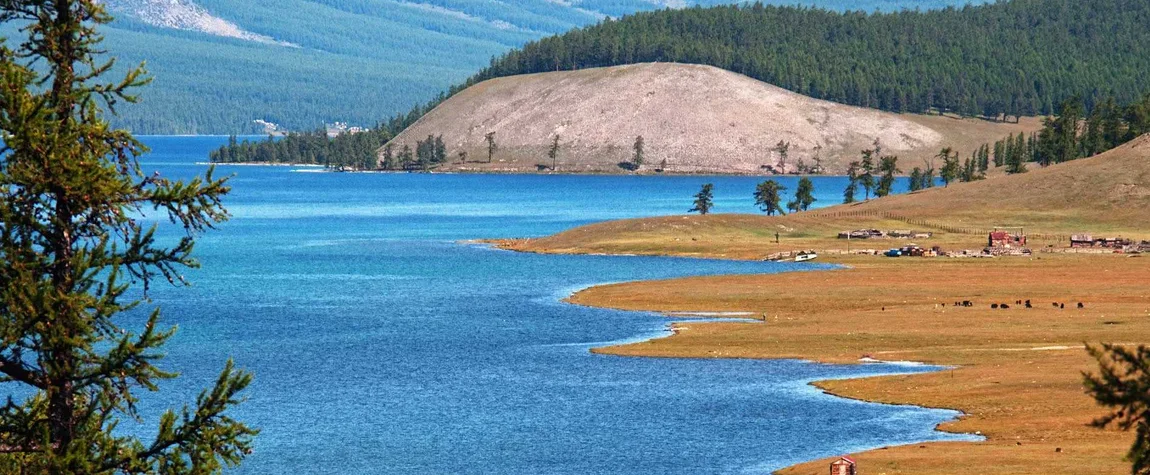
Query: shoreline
x=718 y=338
x=673 y=328
x=526 y=171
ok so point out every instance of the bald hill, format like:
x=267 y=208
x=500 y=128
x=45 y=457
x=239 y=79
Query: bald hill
x=693 y=119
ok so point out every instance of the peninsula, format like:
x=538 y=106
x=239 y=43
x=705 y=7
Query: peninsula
x=1012 y=328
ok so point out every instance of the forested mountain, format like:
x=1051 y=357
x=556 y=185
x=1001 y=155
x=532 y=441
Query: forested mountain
x=220 y=64
x=1016 y=57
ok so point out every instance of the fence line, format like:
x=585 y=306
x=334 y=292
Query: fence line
x=929 y=224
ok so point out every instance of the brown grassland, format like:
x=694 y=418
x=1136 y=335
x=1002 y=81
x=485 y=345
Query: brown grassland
x=1017 y=373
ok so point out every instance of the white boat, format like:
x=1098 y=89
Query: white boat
x=806 y=256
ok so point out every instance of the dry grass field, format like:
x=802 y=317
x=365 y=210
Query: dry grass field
x=1017 y=372
x=1018 y=375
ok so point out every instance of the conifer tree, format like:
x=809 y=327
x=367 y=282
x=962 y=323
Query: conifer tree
x=783 y=148
x=406 y=159
x=804 y=196
x=889 y=168
x=389 y=157
x=950 y=166
x=492 y=147
x=439 y=150
x=71 y=191
x=767 y=197
x=866 y=170
x=916 y=179
x=1120 y=385
x=928 y=177
x=999 y=153
x=637 y=157
x=704 y=200
x=852 y=183
x=553 y=153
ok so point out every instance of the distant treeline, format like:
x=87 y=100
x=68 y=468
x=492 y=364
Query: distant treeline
x=358 y=151
x=1010 y=58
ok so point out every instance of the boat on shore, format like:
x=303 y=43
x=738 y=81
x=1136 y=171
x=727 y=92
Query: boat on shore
x=806 y=256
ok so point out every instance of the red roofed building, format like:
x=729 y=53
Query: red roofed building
x=1005 y=239
x=843 y=466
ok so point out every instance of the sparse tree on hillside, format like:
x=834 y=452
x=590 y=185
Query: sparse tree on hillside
x=462 y=156
x=866 y=170
x=818 y=160
x=389 y=157
x=439 y=151
x=553 y=153
x=801 y=167
x=950 y=167
x=76 y=253
x=852 y=182
x=804 y=196
x=704 y=200
x=1058 y=141
x=783 y=149
x=999 y=154
x=916 y=179
x=406 y=158
x=889 y=168
x=1121 y=385
x=492 y=147
x=637 y=158
x=1017 y=155
x=767 y=197
x=928 y=173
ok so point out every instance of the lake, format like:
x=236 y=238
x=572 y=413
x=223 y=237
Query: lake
x=382 y=344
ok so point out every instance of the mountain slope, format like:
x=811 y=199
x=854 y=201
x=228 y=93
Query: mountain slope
x=696 y=118
x=219 y=64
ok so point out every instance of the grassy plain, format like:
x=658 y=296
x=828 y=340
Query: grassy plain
x=1017 y=373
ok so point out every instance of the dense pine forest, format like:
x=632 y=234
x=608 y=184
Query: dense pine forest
x=1012 y=58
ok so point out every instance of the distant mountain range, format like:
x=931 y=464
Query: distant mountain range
x=219 y=65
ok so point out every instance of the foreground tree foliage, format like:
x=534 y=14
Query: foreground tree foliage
x=1123 y=385
x=72 y=248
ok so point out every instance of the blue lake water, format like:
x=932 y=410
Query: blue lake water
x=381 y=344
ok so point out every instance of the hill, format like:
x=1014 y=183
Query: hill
x=220 y=64
x=1104 y=195
x=699 y=119
x=1108 y=191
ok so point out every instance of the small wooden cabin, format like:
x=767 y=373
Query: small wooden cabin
x=844 y=466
